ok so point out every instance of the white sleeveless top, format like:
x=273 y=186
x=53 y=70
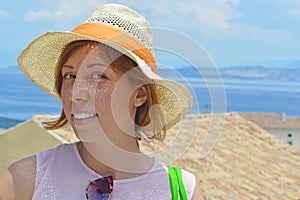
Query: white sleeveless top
x=61 y=174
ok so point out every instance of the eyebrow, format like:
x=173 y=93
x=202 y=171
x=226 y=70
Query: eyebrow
x=88 y=66
x=68 y=66
x=96 y=64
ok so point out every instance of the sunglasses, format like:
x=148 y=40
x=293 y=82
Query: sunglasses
x=100 y=189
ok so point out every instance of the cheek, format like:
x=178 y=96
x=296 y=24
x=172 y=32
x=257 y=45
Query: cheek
x=66 y=101
x=66 y=93
x=103 y=92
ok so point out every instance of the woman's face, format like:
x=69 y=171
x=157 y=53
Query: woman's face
x=97 y=98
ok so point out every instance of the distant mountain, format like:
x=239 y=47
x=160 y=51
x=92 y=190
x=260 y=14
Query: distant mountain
x=262 y=73
x=280 y=63
x=237 y=72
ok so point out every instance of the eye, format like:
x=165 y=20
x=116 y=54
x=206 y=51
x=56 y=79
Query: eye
x=69 y=76
x=97 y=76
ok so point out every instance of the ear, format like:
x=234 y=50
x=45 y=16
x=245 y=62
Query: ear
x=141 y=96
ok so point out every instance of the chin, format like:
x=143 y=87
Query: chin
x=88 y=132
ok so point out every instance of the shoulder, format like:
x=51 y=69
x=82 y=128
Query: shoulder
x=197 y=193
x=191 y=185
x=24 y=167
x=19 y=180
x=44 y=158
x=20 y=175
x=189 y=181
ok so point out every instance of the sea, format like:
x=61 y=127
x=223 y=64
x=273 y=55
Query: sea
x=20 y=99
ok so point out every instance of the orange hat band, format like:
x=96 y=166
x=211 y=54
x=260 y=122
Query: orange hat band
x=104 y=32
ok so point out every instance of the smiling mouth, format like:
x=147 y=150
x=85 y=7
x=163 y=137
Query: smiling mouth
x=84 y=116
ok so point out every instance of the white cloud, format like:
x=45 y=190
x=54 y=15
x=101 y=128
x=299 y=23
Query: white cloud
x=219 y=19
x=214 y=15
x=38 y=15
x=66 y=9
x=235 y=2
x=210 y=19
x=4 y=13
x=75 y=8
x=202 y=15
x=255 y=33
x=294 y=12
x=199 y=15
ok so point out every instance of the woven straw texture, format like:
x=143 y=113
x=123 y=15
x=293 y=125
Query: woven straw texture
x=122 y=18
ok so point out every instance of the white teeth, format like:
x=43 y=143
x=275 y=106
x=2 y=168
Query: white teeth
x=84 y=116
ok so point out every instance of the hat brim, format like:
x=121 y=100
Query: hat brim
x=39 y=61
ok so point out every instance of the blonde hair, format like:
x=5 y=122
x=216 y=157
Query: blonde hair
x=123 y=63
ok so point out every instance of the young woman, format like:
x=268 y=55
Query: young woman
x=105 y=74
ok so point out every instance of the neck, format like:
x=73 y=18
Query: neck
x=122 y=165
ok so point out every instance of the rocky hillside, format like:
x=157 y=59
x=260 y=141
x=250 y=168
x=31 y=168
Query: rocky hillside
x=262 y=73
x=238 y=72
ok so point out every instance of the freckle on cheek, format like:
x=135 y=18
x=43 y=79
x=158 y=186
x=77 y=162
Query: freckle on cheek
x=66 y=94
x=103 y=92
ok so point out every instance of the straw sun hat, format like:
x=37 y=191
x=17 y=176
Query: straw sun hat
x=120 y=28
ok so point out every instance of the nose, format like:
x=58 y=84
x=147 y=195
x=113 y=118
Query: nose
x=80 y=91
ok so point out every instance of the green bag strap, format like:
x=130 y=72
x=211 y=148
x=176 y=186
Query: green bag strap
x=175 y=175
x=182 y=191
x=173 y=183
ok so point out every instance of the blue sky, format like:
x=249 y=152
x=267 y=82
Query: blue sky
x=233 y=32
